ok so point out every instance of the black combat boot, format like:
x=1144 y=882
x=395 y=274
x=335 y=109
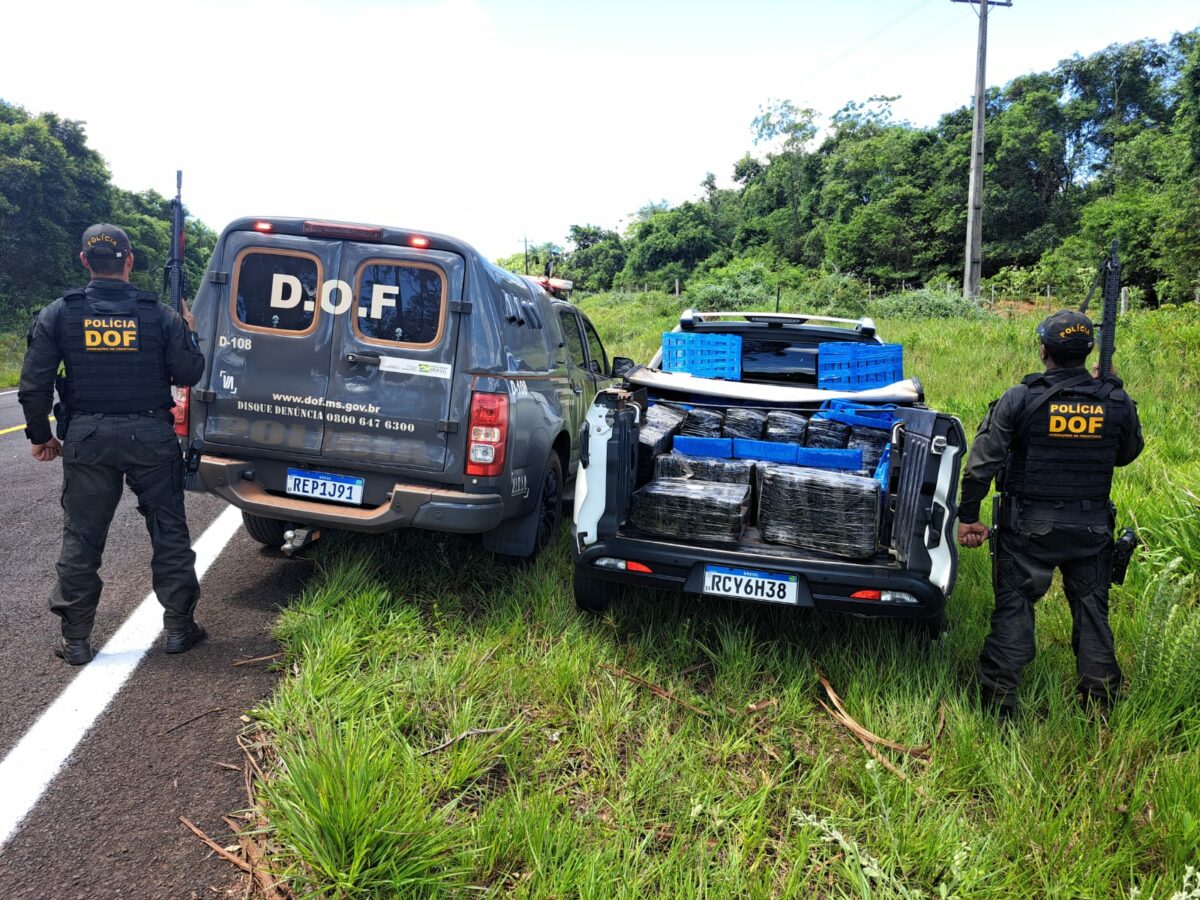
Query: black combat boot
x=76 y=651
x=181 y=640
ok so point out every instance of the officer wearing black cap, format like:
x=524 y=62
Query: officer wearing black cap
x=1052 y=443
x=120 y=350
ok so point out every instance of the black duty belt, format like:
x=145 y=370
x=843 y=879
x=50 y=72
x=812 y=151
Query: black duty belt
x=163 y=415
x=1087 y=512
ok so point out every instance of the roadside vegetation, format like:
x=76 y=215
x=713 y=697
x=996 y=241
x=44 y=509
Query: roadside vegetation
x=1096 y=148
x=447 y=724
x=12 y=351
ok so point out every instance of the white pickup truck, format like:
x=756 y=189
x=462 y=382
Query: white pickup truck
x=912 y=569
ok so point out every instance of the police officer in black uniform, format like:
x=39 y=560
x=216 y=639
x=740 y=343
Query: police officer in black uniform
x=1052 y=443
x=121 y=350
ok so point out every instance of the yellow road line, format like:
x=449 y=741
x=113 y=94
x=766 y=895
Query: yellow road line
x=4 y=431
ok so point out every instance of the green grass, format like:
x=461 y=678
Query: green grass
x=592 y=786
x=12 y=351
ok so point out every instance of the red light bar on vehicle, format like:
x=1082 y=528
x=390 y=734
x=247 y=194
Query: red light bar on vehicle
x=337 y=230
x=263 y=226
x=419 y=242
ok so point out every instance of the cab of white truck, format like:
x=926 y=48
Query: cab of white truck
x=910 y=572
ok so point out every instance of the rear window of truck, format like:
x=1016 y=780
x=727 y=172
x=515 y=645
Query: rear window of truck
x=784 y=361
x=276 y=290
x=400 y=303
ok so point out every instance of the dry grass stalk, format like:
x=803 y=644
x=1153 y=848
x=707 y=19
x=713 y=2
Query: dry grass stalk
x=653 y=688
x=257 y=659
x=215 y=847
x=207 y=712
x=472 y=732
x=920 y=752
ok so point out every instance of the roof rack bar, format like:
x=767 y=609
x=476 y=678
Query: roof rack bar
x=691 y=316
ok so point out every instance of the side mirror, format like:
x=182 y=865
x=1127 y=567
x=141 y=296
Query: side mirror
x=621 y=365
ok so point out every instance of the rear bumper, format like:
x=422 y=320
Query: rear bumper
x=680 y=567
x=408 y=505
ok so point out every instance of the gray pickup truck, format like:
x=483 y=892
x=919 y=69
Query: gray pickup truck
x=911 y=570
x=372 y=378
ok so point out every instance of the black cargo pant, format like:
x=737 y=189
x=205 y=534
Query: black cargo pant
x=98 y=454
x=1024 y=565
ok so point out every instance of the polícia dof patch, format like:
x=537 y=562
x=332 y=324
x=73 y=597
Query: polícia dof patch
x=1078 y=420
x=107 y=334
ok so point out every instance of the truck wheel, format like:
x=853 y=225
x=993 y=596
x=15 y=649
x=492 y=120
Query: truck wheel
x=268 y=532
x=549 y=509
x=591 y=594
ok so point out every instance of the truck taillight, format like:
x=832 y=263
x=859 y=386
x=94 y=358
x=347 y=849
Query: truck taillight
x=487 y=434
x=182 y=398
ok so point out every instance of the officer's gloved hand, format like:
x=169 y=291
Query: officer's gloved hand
x=972 y=534
x=47 y=452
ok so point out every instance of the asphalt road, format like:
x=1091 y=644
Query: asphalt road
x=109 y=824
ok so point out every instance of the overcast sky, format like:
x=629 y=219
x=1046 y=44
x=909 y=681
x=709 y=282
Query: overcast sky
x=496 y=119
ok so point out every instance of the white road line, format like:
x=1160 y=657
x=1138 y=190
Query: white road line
x=6 y=393
x=31 y=765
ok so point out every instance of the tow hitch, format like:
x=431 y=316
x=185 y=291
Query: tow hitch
x=296 y=539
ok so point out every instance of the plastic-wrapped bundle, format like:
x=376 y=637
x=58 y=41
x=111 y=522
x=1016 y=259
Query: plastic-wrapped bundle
x=826 y=433
x=664 y=415
x=703 y=422
x=654 y=437
x=744 y=423
x=785 y=428
x=817 y=509
x=669 y=407
x=685 y=508
x=871 y=442
x=703 y=468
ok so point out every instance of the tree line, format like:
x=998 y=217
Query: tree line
x=52 y=187
x=1100 y=147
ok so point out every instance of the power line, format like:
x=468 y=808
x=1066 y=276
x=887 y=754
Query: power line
x=856 y=47
x=917 y=43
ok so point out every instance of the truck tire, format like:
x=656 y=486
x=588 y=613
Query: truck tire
x=591 y=594
x=549 y=508
x=268 y=532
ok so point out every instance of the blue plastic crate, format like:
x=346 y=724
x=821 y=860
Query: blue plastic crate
x=767 y=451
x=848 y=366
x=828 y=458
x=712 y=447
x=884 y=468
x=703 y=355
x=792 y=454
x=851 y=413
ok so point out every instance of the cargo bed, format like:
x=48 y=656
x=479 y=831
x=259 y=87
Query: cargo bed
x=910 y=574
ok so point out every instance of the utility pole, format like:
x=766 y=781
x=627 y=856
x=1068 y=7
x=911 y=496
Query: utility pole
x=974 y=252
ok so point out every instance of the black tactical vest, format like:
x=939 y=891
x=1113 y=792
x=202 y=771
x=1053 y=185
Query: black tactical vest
x=116 y=362
x=1067 y=448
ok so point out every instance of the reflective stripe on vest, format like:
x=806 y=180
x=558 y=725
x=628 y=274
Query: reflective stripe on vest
x=116 y=360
